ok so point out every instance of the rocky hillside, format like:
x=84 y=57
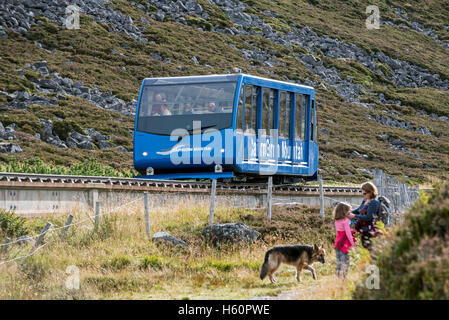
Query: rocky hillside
x=68 y=95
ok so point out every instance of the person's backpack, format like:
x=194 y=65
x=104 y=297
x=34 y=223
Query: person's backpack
x=384 y=213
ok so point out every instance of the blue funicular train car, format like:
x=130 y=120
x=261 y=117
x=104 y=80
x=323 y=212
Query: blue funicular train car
x=237 y=126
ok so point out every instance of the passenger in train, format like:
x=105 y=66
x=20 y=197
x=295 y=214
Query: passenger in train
x=157 y=107
x=212 y=108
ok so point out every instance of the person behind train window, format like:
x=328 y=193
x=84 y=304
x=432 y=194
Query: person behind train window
x=157 y=107
x=165 y=111
x=188 y=109
x=212 y=108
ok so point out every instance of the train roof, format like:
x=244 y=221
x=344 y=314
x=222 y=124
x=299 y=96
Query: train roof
x=221 y=78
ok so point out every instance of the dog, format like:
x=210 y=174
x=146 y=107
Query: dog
x=299 y=256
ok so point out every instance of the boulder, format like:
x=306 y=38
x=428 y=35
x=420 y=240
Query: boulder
x=97 y=136
x=39 y=64
x=195 y=60
x=121 y=149
x=7 y=147
x=164 y=237
x=229 y=233
x=49 y=84
x=104 y=145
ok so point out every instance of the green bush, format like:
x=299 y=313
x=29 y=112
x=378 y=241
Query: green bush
x=63 y=127
x=415 y=264
x=117 y=263
x=12 y=225
x=152 y=261
x=88 y=167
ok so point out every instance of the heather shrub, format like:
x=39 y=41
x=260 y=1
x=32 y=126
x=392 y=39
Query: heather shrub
x=415 y=264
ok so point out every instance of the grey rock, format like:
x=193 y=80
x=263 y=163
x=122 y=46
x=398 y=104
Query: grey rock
x=324 y=131
x=424 y=131
x=121 y=149
x=97 y=136
x=7 y=147
x=20 y=71
x=71 y=143
x=87 y=145
x=195 y=60
x=164 y=237
x=43 y=70
x=229 y=233
x=39 y=64
x=23 y=95
x=49 y=84
x=11 y=128
x=355 y=154
x=144 y=21
x=104 y=145
x=367 y=172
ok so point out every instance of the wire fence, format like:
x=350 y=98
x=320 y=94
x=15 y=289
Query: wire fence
x=400 y=195
x=65 y=227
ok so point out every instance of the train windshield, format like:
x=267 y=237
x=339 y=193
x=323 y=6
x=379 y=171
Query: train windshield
x=164 y=108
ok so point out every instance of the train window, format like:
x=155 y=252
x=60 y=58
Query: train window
x=314 y=125
x=300 y=116
x=267 y=110
x=284 y=115
x=240 y=111
x=250 y=107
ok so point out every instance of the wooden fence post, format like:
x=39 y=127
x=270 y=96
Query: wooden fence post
x=42 y=235
x=6 y=245
x=320 y=179
x=97 y=214
x=212 y=201
x=146 y=203
x=269 y=197
x=66 y=227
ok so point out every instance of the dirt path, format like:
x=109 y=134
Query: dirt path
x=325 y=288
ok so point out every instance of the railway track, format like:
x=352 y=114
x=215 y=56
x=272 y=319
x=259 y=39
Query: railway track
x=53 y=181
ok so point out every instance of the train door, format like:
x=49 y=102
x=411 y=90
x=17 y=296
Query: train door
x=247 y=123
x=285 y=132
x=267 y=135
x=301 y=132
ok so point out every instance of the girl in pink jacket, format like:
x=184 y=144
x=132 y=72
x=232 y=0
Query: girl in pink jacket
x=344 y=239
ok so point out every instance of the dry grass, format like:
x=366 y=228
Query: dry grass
x=119 y=262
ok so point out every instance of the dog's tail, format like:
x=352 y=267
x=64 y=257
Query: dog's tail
x=264 y=270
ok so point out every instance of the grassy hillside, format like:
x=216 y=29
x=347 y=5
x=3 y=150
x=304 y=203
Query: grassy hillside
x=115 y=62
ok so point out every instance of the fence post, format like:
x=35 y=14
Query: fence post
x=212 y=201
x=269 y=197
x=97 y=214
x=320 y=179
x=147 y=212
x=6 y=245
x=42 y=235
x=66 y=227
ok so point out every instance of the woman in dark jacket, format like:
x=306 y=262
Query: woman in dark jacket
x=364 y=214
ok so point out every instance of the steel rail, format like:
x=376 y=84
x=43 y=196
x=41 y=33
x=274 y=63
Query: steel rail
x=53 y=181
